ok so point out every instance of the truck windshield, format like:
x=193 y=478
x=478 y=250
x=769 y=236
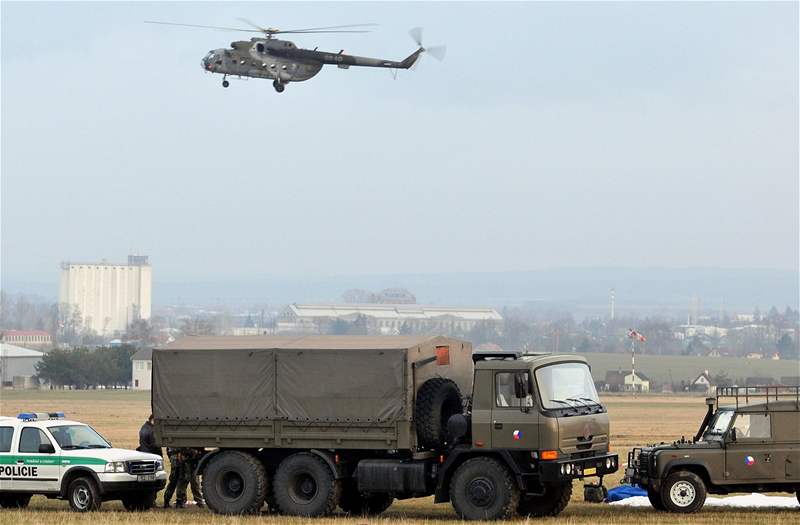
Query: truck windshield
x=566 y=384
x=721 y=422
x=71 y=437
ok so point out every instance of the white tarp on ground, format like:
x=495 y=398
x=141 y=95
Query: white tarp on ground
x=750 y=501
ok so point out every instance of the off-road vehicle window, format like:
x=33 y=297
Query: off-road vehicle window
x=753 y=426
x=566 y=384
x=505 y=396
x=721 y=422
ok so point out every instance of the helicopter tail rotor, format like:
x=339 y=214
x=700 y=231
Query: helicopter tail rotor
x=437 y=52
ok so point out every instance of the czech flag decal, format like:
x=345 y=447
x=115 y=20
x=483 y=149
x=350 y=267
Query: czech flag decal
x=517 y=435
x=749 y=461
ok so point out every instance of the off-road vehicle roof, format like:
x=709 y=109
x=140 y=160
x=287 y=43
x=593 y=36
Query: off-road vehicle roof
x=520 y=361
x=774 y=406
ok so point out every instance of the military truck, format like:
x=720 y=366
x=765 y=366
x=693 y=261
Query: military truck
x=749 y=441
x=309 y=424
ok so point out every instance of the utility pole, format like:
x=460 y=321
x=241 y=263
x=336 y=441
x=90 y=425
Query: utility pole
x=634 y=336
x=612 y=304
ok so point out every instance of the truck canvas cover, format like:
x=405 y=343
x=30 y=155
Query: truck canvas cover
x=335 y=379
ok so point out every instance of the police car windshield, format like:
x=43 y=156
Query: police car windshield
x=71 y=437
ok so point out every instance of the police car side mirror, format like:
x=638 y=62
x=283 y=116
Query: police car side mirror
x=46 y=448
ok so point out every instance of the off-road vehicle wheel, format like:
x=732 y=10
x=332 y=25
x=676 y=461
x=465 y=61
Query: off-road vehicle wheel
x=437 y=400
x=139 y=501
x=555 y=499
x=305 y=486
x=14 y=501
x=234 y=483
x=83 y=495
x=683 y=491
x=655 y=499
x=483 y=489
x=357 y=504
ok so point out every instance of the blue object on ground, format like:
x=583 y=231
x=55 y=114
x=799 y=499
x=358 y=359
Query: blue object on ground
x=624 y=492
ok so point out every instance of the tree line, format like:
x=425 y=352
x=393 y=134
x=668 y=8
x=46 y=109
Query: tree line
x=83 y=367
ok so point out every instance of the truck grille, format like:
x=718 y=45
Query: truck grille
x=141 y=467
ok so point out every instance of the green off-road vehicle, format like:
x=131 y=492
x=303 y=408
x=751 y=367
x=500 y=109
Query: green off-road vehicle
x=750 y=444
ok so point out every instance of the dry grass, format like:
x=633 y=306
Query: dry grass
x=118 y=416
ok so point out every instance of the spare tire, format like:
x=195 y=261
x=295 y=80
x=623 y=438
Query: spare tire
x=437 y=400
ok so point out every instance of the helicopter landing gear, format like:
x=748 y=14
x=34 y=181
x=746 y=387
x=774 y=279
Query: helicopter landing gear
x=278 y=85
x=225 y=82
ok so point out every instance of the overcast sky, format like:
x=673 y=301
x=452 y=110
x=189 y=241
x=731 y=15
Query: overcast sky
x=568 y=134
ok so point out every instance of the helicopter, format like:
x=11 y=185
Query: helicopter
x=283 y=62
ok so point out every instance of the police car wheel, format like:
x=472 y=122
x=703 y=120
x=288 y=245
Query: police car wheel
x=683 y=491
x=14 y=501
x=83 y=495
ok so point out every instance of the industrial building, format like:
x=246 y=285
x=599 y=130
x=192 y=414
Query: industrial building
x=18 y=365
x=385 y=319
x=35 y=339
x=108 y=296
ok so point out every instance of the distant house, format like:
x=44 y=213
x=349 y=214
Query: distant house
x=142 y=369
x=754 y=355
x=625 y=381
x=702 y=383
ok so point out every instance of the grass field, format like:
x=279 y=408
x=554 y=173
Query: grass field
x=119 y=414
x=677 y=368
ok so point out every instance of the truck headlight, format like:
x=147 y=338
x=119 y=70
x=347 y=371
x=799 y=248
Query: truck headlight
x=115 y=466
x=608 y=463
x=159 y=465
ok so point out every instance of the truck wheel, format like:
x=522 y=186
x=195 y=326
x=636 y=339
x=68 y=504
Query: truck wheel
x=655 y=499
x=683 y=491
x=357 y=504
x=14 y=501
x=437 y=400
x=83 y=495
x=139 y=501
x=234 y=482
x=304 y=486
x=483 y=489
x=555 y=499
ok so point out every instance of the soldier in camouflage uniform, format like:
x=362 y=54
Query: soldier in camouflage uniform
x=193 y=457
x=177 y=478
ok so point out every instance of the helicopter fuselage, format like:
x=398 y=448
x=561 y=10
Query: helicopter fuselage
x=283 y=62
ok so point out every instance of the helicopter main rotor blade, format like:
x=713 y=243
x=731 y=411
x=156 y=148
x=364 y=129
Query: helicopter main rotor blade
x=328 y=27
x=203 y=27
x=318 y=32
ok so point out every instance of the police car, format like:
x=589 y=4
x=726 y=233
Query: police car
x=43 y=453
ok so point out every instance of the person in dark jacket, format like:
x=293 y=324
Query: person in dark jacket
x=147 y=438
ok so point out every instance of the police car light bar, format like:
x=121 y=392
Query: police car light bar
x=33 y=416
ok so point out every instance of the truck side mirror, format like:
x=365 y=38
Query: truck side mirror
x=732 y=434
x=46 y=448
x=521 y=390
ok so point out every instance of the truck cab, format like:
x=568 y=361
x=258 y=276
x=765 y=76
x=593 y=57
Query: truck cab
x=749 y=441
x=541 y=414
